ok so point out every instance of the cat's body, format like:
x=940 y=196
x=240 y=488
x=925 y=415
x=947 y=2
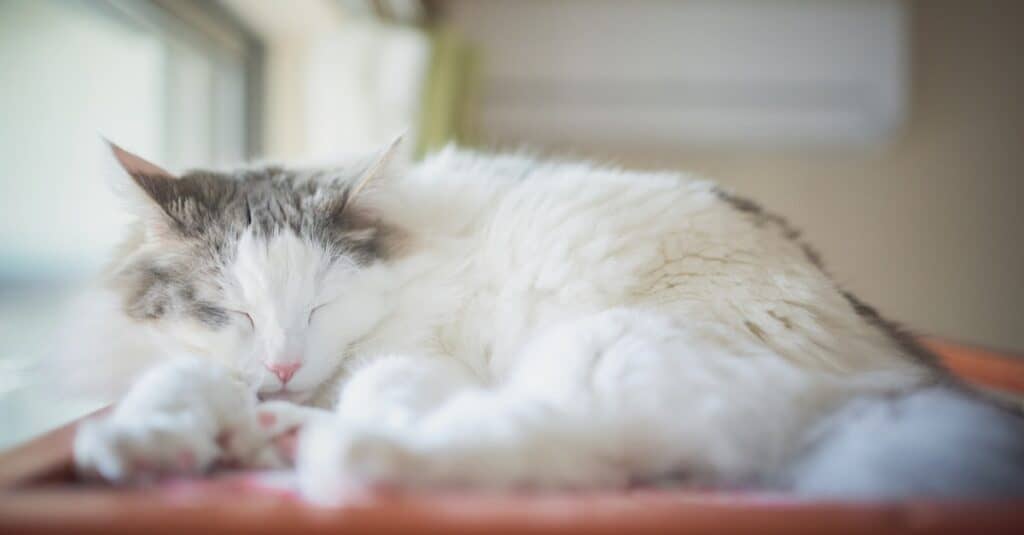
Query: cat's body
x=498 y=321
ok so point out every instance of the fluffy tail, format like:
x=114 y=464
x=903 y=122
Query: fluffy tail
x=938 y=442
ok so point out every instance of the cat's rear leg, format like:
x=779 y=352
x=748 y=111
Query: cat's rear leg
x=598 y=402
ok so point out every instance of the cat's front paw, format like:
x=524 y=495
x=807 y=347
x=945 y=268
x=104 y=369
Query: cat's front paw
x=335 y=461
x=178 y=419
x=141 y=451
x=279 y=424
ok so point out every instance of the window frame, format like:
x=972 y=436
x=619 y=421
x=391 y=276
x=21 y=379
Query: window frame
x=220 y=36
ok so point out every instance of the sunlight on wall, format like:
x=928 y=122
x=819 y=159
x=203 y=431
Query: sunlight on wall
x=79 y=74
x=71 y=74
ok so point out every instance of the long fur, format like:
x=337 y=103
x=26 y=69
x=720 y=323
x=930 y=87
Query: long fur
x=498 y=321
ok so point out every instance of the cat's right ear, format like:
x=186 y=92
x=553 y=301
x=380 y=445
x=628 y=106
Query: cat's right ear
x=145 y=187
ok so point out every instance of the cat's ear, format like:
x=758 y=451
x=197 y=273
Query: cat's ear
x=378 y=169
x=140 y=169
x=145 y=187
x=136 y=179
x=350 y=218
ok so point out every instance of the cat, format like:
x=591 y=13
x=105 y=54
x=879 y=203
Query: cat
x=505 y=322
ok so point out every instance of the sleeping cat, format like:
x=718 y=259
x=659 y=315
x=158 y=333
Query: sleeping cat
x=499 y=322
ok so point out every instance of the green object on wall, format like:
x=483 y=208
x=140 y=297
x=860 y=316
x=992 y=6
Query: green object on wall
x=449 y=94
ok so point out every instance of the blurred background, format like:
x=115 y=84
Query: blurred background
x=890 y=131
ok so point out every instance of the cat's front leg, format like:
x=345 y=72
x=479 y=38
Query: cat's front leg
x=179 y=418
x=380 y=405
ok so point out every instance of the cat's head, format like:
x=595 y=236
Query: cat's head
x=257 y=269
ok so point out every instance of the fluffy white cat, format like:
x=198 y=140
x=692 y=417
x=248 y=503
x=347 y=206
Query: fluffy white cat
x=498 y=321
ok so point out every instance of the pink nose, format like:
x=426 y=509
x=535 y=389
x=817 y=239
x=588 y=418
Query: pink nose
x=284 y=372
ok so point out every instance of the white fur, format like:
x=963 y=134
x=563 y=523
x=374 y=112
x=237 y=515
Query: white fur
x=935 y=442
x=169 y=422
x=544 y=324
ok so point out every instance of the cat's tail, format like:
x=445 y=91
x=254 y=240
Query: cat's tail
x=939 y=442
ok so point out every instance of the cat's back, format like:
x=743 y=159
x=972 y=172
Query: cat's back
x=550 y=224
x=565 y=238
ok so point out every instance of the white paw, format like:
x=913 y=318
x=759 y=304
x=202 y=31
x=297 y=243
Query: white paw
x=276 y=438
x=178 y=419
x=334 y=462
x=141 y=451
x=183 y=444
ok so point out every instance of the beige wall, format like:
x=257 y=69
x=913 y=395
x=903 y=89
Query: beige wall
x=928 y=227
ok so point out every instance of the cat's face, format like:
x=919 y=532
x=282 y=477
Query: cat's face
x=259 y=270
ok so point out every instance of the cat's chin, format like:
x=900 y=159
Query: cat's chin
x=284 y=395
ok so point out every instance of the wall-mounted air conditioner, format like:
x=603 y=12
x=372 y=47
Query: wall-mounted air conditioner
x=686 y=73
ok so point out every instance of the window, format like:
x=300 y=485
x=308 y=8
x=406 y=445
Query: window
x=174 y=81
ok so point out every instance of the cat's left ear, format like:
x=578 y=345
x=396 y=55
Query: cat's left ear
x=351 y=218
x=378 y=169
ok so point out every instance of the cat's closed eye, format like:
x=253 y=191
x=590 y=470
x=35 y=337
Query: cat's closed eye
x=246 y=316
x=314 y=310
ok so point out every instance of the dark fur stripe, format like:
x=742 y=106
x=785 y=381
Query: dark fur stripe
x=894 y=331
